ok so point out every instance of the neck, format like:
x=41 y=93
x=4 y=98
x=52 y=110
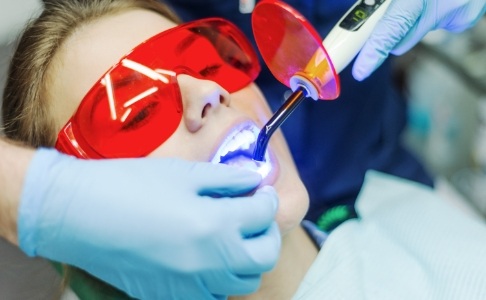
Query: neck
x=297 y=254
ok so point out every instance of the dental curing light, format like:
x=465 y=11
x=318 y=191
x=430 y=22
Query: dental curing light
x=298 y=57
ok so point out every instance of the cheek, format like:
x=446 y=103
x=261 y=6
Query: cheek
x=181 y=144
x=294 y=202
x=251 y=102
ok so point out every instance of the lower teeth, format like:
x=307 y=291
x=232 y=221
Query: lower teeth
x=243 y=163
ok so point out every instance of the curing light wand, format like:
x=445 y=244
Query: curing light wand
x=276 y=120
x=297 y=56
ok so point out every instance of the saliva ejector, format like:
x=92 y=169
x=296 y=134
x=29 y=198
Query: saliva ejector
x=298 y=57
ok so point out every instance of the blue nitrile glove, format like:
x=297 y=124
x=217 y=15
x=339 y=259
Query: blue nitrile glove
x=406 y=22
x=148 y=227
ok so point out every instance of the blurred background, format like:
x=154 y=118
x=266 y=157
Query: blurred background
x=443 y=79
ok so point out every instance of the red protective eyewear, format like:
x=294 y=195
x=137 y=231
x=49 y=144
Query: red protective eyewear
x=136 y=106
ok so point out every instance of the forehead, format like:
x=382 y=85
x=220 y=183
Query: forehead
x=93 y=48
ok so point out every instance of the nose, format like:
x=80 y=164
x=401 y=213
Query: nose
x=201 y=98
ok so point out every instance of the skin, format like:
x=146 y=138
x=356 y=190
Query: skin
x=210 y=112
x=13 y=168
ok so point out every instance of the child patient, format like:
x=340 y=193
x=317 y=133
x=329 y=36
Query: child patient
x=188 y=92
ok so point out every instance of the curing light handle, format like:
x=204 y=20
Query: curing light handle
x=276 y=120
x=352 y=31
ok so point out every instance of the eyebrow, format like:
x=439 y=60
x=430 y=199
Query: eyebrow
x=186 y=42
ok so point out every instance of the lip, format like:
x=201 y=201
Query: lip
x=240 y=138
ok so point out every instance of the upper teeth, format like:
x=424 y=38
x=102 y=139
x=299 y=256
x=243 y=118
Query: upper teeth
x=239 y=140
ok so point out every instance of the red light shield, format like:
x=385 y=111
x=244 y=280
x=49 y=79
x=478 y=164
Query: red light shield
x=290 y=45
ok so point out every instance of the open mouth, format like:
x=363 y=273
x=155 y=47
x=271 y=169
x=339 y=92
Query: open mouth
x=237 y=150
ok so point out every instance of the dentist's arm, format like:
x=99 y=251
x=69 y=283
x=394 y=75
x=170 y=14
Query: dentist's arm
x=406 y=22
x=150 y=227
x=14 y=161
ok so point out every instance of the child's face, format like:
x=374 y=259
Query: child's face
x=210 y=113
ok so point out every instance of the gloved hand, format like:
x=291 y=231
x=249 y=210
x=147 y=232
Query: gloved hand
x=149 y=226
x=406 y=22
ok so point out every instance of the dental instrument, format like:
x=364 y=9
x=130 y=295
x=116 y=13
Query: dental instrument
x=301 y=60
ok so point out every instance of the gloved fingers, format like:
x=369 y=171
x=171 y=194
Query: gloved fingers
x=424 y=23
x=262 y=252
x=225 y=283
x=406 y=22
x=222 y=180
x=461 y=16
x=458 y=17
x=400 y=17
x=414 y=35
x=254 y=213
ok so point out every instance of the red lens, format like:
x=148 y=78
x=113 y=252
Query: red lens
x=136 y=105
x=135 y=114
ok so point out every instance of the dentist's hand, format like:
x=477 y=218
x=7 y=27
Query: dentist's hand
x=151 y=226
x=407 y=21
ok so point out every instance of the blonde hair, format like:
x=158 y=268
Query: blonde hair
x=25 y=108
